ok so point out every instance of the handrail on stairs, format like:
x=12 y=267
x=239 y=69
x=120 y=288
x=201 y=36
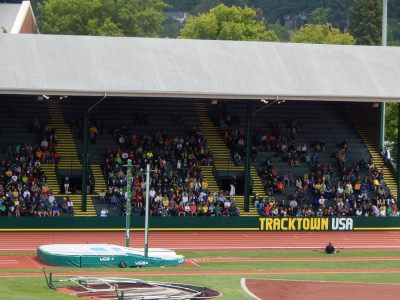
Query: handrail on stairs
x=216 y=176
x=56 y=170
x=228 y=162
x=251 y=183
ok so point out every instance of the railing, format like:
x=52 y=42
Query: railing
x=216 y=176
x=58 y=177
x=90 y=171
x=227 y=162
x=70 y=169
x=393 y=167
x=68 y=161
x=251 y=183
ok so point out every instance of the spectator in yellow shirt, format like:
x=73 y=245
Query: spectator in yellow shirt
x=93 y=134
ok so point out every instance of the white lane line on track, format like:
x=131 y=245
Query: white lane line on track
x=17 y=249
x=32 y=261
x=195 y=260
x=244 y=287
x=192 y=262
x=8 y=261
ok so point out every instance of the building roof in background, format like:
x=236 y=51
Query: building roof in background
x=17 y=18
x=120 y=66
x=8 y=15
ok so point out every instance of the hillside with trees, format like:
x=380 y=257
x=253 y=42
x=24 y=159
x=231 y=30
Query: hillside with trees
x=284 y=17
x=292 y=14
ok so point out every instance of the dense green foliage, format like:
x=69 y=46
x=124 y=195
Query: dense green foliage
x=82 y=19
x=170 y=29
x=366 y=22
x=273 y=10
x=322 y=34
x=227 y=23
x=102 y=17
x=281 y=32
x=319 y=16
x=391 y=127
x=319 y=12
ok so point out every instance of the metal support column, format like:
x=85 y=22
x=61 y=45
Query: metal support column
x=398 y=156
x=85 y=160
x=248 y=159
x=382 y=127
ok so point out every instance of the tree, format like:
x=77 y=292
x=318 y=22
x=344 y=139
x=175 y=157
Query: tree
x=102 y=17
x=339 y=13
x=180 y=5
x=391 y=124
x=281 y=32
x=204 y=6
x=319 y=16
x=227 y=23
x=322 y=34
x=170 y=29
x=366 y=22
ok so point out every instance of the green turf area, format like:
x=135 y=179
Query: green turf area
x=16 y=253
x=229 y=285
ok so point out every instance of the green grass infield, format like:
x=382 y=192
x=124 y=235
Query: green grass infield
x=228 y=284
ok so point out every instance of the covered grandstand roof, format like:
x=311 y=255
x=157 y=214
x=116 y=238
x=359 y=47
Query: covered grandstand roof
x=116 y=66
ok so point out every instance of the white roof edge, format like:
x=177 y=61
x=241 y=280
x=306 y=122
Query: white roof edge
x=19 y=21
x=150 y=94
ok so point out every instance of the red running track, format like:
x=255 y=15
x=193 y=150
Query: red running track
x=209 y=240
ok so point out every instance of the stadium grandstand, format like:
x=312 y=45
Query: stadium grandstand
x=230 y=128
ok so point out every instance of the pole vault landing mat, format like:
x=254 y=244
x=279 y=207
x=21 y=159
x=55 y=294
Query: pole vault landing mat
x=106 y=255
x=127 y=288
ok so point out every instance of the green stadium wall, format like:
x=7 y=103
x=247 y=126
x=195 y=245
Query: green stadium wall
x=198 y=223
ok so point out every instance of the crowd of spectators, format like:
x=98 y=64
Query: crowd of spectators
x=23 y=187
x=177 y=186
x=44 y=151
x=359 y=190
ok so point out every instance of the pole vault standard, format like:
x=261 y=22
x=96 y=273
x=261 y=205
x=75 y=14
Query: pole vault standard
x=128 y=202
x=128 y=207
x=146 y=222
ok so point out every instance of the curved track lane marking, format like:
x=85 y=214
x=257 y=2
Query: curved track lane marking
x=246 y=290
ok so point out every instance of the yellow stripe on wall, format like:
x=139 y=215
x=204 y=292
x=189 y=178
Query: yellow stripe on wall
x=376 y=228
x=131 y=229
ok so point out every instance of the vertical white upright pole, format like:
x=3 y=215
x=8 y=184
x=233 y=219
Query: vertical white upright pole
x=146 y=222
x=128 y=203
x=384 y=22
x=383 y=106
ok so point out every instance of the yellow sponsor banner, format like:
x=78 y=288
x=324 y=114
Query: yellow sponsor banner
x=307 y=224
